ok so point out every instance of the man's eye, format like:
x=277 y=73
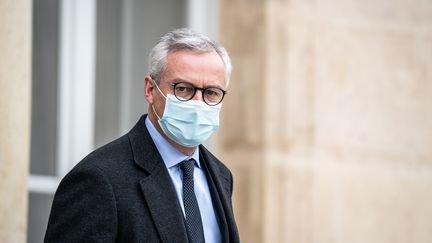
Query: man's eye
x=183 y=89
x=211 y=93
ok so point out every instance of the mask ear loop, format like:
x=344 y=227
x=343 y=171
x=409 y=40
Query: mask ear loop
x=154 y=111
x=157 y=86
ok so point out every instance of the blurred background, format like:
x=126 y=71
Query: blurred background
x=327 y=125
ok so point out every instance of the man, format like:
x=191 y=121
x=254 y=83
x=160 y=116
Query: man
x=158 y=183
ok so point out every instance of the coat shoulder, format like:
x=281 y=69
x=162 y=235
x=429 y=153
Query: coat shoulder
x=113 y=160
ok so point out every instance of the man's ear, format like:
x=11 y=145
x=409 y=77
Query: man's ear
x=148 y=88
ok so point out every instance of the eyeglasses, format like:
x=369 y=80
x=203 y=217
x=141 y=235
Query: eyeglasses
x=185 y=91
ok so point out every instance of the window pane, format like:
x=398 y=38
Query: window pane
x=44 y=90
x=39 y=209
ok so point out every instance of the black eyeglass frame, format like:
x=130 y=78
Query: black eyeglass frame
x=194 y=92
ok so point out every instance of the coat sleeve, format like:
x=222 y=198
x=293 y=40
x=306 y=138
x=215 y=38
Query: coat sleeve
x=84 y=208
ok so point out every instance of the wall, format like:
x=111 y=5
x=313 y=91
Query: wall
x=15 y=94
x=328 y=122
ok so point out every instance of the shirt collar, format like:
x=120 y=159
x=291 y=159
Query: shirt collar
x=170 y=155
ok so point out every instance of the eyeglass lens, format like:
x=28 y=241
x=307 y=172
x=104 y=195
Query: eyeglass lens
x=186 y=91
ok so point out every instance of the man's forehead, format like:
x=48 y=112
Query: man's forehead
x=204 y=61
x=180 y=53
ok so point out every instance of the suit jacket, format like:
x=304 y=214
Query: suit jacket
x=122 y=192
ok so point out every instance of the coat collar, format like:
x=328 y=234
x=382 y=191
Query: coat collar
x=160 y=194
x=144 y=150
x=224 y=186
x=156 y=187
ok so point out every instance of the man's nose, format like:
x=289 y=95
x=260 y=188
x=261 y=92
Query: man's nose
x=198 y=94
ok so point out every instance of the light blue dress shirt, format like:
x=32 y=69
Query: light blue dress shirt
x=172 y=157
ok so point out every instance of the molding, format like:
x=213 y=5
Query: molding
x=76 y=82
x=42 y=184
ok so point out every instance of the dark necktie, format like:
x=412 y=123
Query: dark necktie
x=192 y=212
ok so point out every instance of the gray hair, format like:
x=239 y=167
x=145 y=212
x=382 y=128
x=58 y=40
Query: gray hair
x=184 y=39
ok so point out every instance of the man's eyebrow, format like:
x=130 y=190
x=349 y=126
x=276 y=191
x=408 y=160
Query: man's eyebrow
x=179 y=80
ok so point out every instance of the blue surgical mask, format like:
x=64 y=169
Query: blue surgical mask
x=188 y=123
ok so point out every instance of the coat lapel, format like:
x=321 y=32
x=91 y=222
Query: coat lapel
x=157 y=187
x=163 y=204
x=217 y=203
x=223 y=183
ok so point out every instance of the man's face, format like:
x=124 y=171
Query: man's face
x=202 y=70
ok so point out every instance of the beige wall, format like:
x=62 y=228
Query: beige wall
x=328 y=121
x=15 y=92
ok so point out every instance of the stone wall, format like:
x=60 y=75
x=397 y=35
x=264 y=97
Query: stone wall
x=328 y=121
x=15 y=94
